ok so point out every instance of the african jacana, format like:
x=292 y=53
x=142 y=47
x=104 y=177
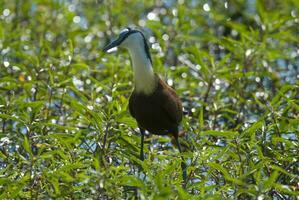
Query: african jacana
x=155 y=106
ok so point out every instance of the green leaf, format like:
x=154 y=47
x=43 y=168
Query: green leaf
x=226 y=134
x=225 y=173
x=132 y=181
x=27 y=146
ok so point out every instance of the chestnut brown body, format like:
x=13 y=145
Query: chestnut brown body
x=160 y=112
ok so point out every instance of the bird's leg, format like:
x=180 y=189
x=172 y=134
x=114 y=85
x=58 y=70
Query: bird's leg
x=142 y=141
x=142 y=132
x=183 y=164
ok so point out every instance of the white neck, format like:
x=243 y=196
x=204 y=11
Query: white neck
x=143 y=71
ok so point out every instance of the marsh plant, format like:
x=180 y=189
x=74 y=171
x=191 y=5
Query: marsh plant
x=65 y=130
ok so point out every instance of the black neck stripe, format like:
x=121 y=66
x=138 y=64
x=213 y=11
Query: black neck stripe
x=146 y=47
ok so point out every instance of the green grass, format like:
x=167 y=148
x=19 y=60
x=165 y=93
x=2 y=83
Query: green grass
x=65 y=129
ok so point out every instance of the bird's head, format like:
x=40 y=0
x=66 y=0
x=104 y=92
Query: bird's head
x=130 y=39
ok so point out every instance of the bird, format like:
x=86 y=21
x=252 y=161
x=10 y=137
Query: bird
x=154 y=104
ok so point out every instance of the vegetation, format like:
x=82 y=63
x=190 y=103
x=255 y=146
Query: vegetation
x=65 y=128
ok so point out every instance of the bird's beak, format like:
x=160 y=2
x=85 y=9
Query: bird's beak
x=114 y=43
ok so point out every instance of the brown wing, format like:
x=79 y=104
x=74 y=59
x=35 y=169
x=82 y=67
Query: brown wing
x=170 y=102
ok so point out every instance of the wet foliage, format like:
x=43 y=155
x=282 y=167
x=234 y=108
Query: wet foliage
x=65 y=130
